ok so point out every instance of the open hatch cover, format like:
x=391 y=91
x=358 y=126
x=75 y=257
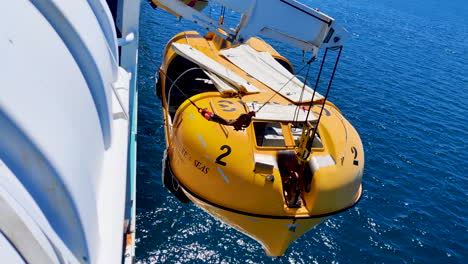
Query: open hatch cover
x=263 y=67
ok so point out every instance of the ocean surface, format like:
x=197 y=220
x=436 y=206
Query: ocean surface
x=403 y=84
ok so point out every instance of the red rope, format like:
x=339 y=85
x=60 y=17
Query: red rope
x=242 y=122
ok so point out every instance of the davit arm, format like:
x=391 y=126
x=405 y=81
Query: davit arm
x=309 y=29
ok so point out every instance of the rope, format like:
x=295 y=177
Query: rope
x=326 y=95
x=311 y=104
x=223 y=11
x=174 y=85
x=173 y=82
x=148 y=55
x=296 y=111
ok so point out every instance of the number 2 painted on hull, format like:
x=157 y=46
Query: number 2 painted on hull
x=228 y=151
x=354 y=151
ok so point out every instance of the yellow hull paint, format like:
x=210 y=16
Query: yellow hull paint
x=274 y=235
x=215 y=164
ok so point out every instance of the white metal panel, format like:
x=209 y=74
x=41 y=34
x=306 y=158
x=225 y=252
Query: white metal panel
x=23 y=232
x=78 y=27
x=111 y=196
x=263 y=67
x=277 y=112
x=54 y=130
x=305 y=29
x=317 y=162
x=222 y=86
x=183 y=10
x=266 y=159
x=128 y=21
x=8 y=252
x=104 y=17
x=128 y=18
x=27 y=207
x=209 y=64
x=56 y=111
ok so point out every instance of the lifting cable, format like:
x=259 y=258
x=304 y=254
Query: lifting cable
x=296 y=111
x=311 y=104
x=173 y=84
x=223 y=11
x=328 y=90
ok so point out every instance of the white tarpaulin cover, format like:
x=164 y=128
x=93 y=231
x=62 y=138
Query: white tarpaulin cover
x=263 y=67
x=222 y=86
x=278 y=112
x=212 y=66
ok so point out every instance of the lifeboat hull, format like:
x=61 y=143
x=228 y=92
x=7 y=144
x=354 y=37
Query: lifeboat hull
x=274 y=234
x=240 y=176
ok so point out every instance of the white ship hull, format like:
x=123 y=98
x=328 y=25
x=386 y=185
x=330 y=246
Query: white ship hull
x=67 y=131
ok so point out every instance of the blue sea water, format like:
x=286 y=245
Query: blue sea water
x=403 y=84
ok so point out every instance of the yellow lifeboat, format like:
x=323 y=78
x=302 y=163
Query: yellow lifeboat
x=244 y=171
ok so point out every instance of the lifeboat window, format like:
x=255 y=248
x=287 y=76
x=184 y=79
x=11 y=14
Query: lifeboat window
x=269 y=134
x=296 y=131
